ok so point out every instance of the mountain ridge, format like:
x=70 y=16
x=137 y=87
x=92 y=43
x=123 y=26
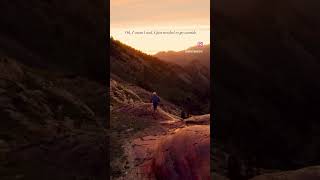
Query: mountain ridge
x=183 y=58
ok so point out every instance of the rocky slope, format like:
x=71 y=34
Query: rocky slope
x=122 y=92
x=51 y=127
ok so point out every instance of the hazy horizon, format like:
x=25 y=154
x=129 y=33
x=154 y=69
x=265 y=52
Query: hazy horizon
x=150 y=16
x=160 y=50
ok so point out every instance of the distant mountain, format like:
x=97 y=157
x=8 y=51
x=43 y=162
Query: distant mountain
x=171 y=81
x=185 y=57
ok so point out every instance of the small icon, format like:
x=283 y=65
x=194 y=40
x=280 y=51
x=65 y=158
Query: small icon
x=200 y=44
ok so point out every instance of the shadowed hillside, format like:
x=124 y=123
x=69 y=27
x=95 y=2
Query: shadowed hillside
x=52 y=95
x=51 y=127
x=266 y=81
x=51 y=34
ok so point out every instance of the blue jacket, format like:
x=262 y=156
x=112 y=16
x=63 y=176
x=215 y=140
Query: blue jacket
x=155 y=99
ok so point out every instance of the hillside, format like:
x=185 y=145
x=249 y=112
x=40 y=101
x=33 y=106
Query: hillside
x=266 y=85
x=172 y=82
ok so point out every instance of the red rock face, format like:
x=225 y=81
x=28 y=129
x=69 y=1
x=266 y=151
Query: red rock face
x=183 y=155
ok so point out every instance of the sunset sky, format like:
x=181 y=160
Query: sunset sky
x=164 y=15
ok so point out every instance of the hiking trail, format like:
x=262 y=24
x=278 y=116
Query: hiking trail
x=172 y=147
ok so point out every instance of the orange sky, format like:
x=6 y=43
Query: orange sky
x=161 y=15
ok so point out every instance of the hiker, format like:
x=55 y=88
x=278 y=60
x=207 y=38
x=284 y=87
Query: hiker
x=183 y=114
x=155 y=100
x=187 y=107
